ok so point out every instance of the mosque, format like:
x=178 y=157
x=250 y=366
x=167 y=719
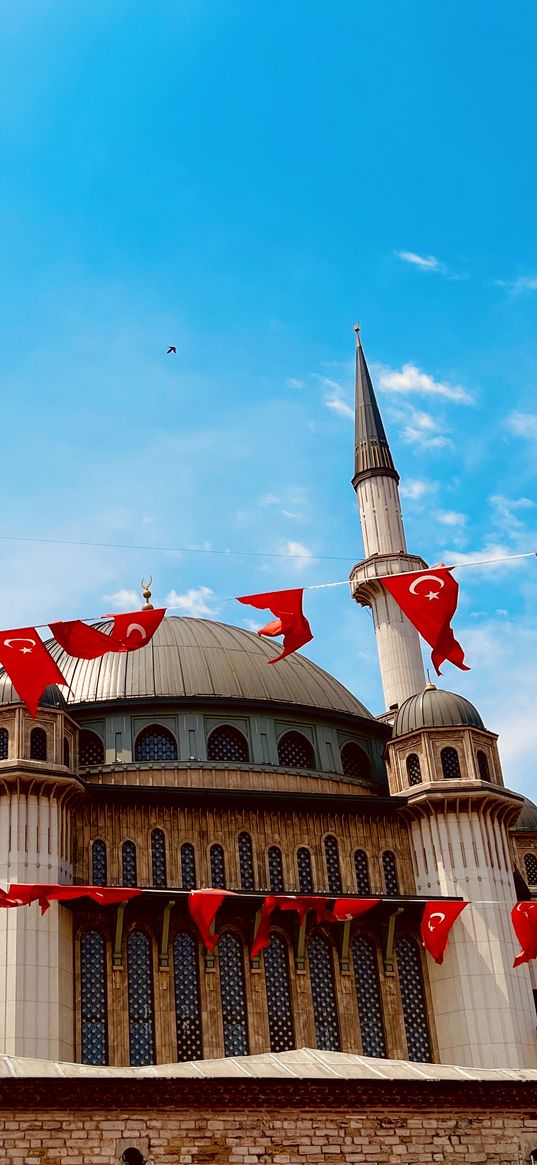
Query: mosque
x=191 y=764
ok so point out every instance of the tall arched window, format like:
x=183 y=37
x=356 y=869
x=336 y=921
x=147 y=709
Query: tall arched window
x=227 y=744
x=128 y=863
x=361 y=870
x=366 y=979
x=218 y=868
x=295 y=751
x=389 y=869
x=483 y=765
x=413 y=769
x=4 y=744
x=90 y=749
x=188 y=866
x=98 y=863
x=158 y=859
x=530 y=866
x=155 y=743
x=93 y=998
x=413 y=1000
x=449 y=759
x=66 y=753
x=333 y=871
x=233 y=994
x=355 y=762
x=323 y=994
x=275 y=867
x=305 y=872
x=187 y=998
x=38 y=744
x=246 y=861
x=140 y=994
x=278 y=987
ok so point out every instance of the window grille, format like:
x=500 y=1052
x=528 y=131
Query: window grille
x=275 y=867
x=366 y=978
x=449 y=759
x=188 y=866
x=295 y=751
x=4 y=743
x=158 y=859
x=483 y=765
x=66 y=753
x=278 y=987
x=218 y=869
x=389 y=867
x=155 y=743
x=413 y=769
x=361 y=870
x=246 y=862
x=333 y=871
x=93 y=997
x=413 y=1000
x=305 y=872
x=98 y=863
x=140 y=994
x=226 y=743
x=530 y=866
x=323 y=994
x=355 y=761
x=232 y=994
x=187 y=998
x=128 y=863
x=90 y=749
x=38 y=744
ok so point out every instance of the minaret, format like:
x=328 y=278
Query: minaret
x=376 y=482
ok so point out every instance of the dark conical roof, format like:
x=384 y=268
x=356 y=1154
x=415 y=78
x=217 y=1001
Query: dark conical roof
x=52 y=696
x=434 y=708
x=371 y=450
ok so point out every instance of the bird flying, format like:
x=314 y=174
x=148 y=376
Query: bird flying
x=171 y=349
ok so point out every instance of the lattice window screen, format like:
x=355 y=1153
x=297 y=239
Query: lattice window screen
x=389 y=866
x=232 y=994
x=155 y=743
x=128 y=863
x=413 y=1000
x=366 y=978
x=90 y=749
x=483 y=765
x=98 y=863
x=305 y=872
x=530 y=866
x=158 y=859
x=355 y=761
x=4 y=743
x=227 y=744
x=413 y=768
x=246 y=861
x=188 y=866
x=449 y=759
x=323 y=994
x=218 y=869
x=140 y=995
x=187 y=998
x=278 y=989
x=361 y=870
x=93 y=998
x=275 y=865
x=331 y=853
x=38 y=744
x=295 y=751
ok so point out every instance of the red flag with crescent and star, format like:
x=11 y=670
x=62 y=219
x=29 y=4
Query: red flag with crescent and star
x=326 y=910
x=129 y=632
x=204 y=906
x=290 y=620
x=428 y=598
x=524 y=919
x=437 y=920
x=28 y=665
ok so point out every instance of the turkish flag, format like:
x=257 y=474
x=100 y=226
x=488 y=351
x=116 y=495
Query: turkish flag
x=290 y=620
x=45 y=893
x=28 y=664
x=326 y=910
x=204 y=906
x=524 y=918
x=129 y=632
x=345 y=909
x=437 y=920
x=428 y=598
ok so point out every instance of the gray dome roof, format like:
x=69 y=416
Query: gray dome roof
x=528 y=816
x=434 y=708
x=198 y=658
x=52 y=696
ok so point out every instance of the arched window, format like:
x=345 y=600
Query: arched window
x=128 y=863
x=232 y=994
x=295 y=751
x=483 y=765
x=246 y=861
x=227 y=744
x=389 y=869
x=323 y=994
x=4 y=743
x=218 y=868
x=413 y=1000
x=451 y=768
x=278 y=987
x=158 y=859
x=38 y=744
x=530 y=866
x=93 y=998
x=366 y=979
x=355 y=761
x=413 y=769
x=140 y=994
x=187 y=998
x=66 y=753
x=90 y=749
x=305 y=873
x=275 y=867
x=188 y=866
x=98 y=863
x=155 y=743
x=333 y=871
x=361 y=870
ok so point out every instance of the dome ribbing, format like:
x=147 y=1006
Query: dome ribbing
x=434 y=708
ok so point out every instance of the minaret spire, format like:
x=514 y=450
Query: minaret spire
x=371 y=449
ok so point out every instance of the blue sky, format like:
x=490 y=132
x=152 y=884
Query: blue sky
x=246 y=180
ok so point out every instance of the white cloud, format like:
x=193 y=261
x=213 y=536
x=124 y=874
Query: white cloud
x=505 y=511
x=426 y=262
x=269 y=500
x=422 y=430
x=302 y=557
x=451 y=518
x=194 y=602
x=336 y=403
x=125 y=600
x=488 y=553
x=523 y=425
x=522 y=283
x=293 y=382
x=410 y=378
x=414 y=490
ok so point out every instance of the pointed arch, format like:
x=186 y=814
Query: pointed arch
x=158 y=859
x=333 y=869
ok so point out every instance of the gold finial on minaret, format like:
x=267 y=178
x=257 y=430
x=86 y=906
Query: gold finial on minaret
x=357 y=334
x=148 y=606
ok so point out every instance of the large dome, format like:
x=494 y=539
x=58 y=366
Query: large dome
x=434 y=708
x=198 y=658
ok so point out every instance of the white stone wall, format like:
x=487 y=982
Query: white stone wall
x=380 y=516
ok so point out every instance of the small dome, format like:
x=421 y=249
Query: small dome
x=434 y=708
x=528 y=816
x=51 y=698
